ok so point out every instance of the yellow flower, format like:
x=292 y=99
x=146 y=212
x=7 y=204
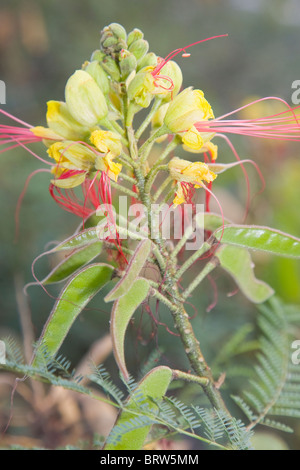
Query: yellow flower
x=70 y=155
x=187 y=108
x=105 y=163
x=189 y=173
x=107 y=142
x=208 y=147
x=48 y=135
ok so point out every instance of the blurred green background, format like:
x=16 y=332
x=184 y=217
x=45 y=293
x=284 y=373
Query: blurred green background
x=43 y=42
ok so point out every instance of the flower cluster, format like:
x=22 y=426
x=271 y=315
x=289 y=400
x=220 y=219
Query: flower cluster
x=90 y=137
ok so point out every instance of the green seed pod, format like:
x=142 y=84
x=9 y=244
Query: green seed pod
x=134 y=35
x=149 y=60
x=139 y=48
x=98 y=74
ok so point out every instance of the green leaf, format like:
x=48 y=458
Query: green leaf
x=260 y=238
x=78 y=240
x=237 y=262
x=73 y=298
x=122 y=312
x=73 y=261
x=137 y=261
x=154 y=385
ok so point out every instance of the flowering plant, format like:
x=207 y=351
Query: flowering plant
x=97 y=153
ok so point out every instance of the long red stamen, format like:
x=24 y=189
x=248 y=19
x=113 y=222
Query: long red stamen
x=174 y=53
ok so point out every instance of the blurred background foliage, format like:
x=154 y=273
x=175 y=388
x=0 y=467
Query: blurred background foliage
x=41 y=44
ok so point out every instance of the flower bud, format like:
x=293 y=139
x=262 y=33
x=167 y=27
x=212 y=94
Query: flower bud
x=187 y=108
x=134 y=35
x=97 y=55
x=139 y=48
x=110 y=66
x=61 y=121
x=84 y=99
x=98 y=74
x=172 y=83
x=149 y=60
x=141 y=89
x=127 y=62
x=113 y=38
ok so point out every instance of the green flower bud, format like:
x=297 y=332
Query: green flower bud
x=149 y=60
x=98 y=74
x=173 y=71
x=97 y=55
x=141 y=89
x=139 y=48
x=61 y=121
x=117 y=30
x=134 y=35
x=84 y=99
x=111 y=68
x=127 y=63
x=113 y=38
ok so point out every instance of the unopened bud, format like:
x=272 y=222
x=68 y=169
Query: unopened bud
x=84 y=99
x=149 y=60
x=141 y=89
x=113 y=38
x=134 y=35
x=127 y=62
x=99 y=75
x=97 y=55
x=139 y=48
x=173 y=82
x=111 y=68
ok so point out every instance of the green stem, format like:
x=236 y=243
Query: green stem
x=179 y=375
x=168 y=273
x=122 y=189
x=147 y=121
x=152 y=175
x=145 y=147
x=210 y=266
x=191 y=260
x=163 y=186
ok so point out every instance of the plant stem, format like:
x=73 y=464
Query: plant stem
x=147 y=121
x=168 y=273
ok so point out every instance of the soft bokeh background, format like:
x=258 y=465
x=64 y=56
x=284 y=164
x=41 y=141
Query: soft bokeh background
x=42 y=43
